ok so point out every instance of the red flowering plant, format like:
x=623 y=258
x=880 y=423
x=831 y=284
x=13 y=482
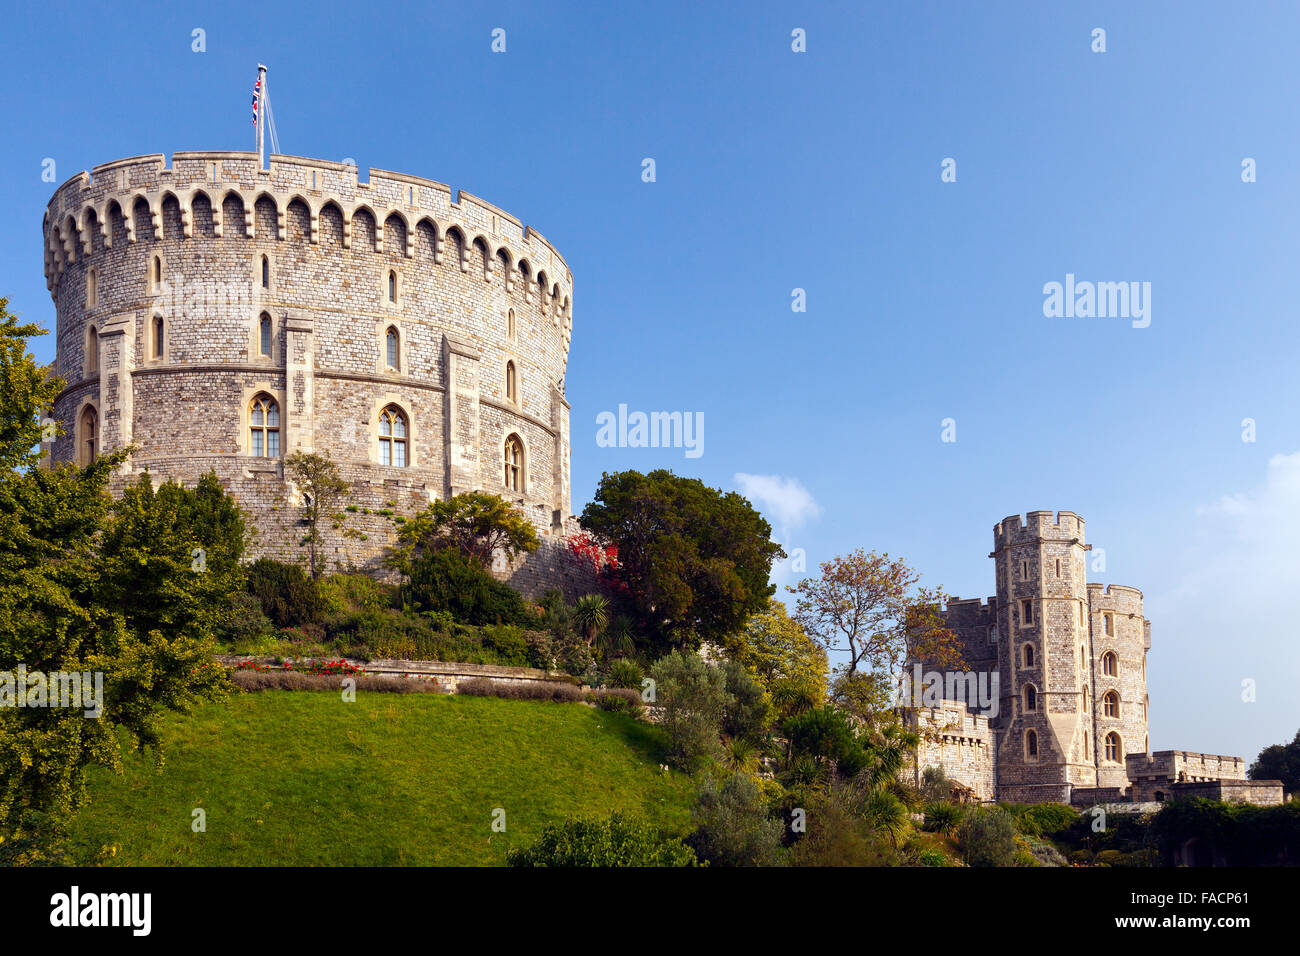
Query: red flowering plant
x=591 y=557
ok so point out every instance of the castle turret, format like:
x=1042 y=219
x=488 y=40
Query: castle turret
x=221 y=314
x=1044 y=736
x=1120 y=637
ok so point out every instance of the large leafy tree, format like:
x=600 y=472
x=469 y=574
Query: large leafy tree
x=475 y=523
x=694 y=560
x=789 y=664
x=90 y=586
x=870 y=608
x=1279 y=762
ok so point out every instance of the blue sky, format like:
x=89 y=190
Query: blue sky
x=821 y=171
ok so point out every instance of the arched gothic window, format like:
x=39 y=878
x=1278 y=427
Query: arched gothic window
x=392 y=352
x=1114 y=751
x=264 y=427
x=89 y=434
x=392 y=437
x=514 y=463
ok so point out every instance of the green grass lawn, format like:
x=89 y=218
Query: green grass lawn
x=301 y=778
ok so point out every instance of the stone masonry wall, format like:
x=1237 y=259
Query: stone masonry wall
x=161 y=277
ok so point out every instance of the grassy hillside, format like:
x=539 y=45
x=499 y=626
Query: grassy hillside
x=302 y=778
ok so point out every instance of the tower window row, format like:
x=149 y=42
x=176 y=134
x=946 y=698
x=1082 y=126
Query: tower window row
x=392 y=433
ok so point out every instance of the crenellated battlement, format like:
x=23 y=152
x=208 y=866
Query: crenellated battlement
x=969 y=611
x=1115 y=597
x=125 y=200
x=214 y=314
x=1037 y=526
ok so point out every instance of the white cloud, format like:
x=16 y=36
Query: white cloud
x=788 y=506
x=785 y=501
x=1228 y=615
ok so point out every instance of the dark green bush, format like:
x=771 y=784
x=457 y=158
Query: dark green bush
x=619 y=700
x=733 y=826
x=508 y=644
x=625 y=672
x=287 y=595
x=616 y=841
x=988 y=838
x=247 y=623
x=748 y=708
x=447 y=580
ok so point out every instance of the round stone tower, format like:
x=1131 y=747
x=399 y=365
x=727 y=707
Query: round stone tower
x=1044 y=738
x=219 y=315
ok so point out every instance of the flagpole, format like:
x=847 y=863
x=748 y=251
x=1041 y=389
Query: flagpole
x=261 y=115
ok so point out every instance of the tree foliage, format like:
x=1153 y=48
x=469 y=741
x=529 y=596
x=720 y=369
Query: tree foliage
x=790 y=665
x=694 y=561
x=475 y=523
x=733 y=825
x=1279 y=762
x=868 y=606
x=323 y=491
x=92 y=585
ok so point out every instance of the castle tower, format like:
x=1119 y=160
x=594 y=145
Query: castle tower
x=221 y=315
x=1045 y=737
x=1120 y=637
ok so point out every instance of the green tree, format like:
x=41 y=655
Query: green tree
x=694 y=698
x=618 y=840
x=27 y=391
x=868 y=606
x=733 y=824
x=323 y=492
x=87 y=585
x=1279 y=762
x=789 y=664
x=475 y=523
x=694 y=561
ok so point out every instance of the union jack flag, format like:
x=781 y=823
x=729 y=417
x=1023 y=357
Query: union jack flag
x=257 y=96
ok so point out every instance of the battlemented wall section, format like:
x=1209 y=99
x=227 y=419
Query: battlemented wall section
x=1070 y=658
x=162 y=277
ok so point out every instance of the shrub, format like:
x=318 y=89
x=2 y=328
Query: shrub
x=508 y=643
x=287 y=595
x=251 y=680
x=615 y=841
x=988 y=838
x=748 y=708
x=836 y=836
x=694 y=698
x=446 y=580
x=944 y=818
x=733 y=827
x=825 y=735
x=560 y=691
x=247 y=629
x=626 y=673
x=1039 y=819
x=341 y=593
x=619 y=700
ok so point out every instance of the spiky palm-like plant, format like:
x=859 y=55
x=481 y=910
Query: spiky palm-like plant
x=592 y=615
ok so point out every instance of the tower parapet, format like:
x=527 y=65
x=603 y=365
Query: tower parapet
x=219 y=315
